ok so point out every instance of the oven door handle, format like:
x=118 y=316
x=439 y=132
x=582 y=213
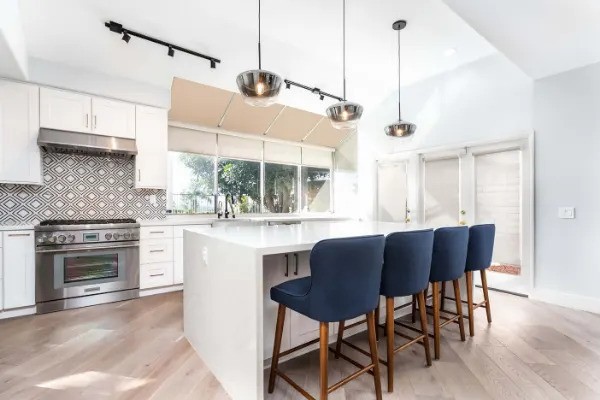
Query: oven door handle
x=89 y=248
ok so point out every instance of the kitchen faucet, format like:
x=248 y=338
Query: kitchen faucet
x=229 y=201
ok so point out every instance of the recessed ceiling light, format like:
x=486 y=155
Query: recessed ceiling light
x=450 y=52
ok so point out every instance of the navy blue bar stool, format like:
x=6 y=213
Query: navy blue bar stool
x=450 y=247
x=479 y=258
x=344 y=284
x=406 y=268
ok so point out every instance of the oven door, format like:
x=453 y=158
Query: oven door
x=73 y=272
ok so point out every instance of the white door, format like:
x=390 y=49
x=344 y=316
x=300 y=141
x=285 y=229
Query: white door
x=19 y=269
x=60 y=109
x=113 y=118
x=501 y=185
x=20 y=160
x=152 y=145
x=392 y=192
x=441 y=199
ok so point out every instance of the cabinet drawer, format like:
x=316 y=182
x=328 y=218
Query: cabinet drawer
x=156 y=250
x=178 y=230
x=156 y=232
x=156 y=275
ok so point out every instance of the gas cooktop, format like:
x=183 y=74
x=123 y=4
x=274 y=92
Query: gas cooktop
x=54 y=222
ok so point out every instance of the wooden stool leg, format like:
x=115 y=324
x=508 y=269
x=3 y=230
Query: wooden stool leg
x=414 y=309
x=470 y=301
x=276 y=346
x=423 y=314
x=461 y=324
x=340 y=336
x=389 y=327
x=436 y=320
x=486 y=296
x=374 y=355
x=324 y=342
x=443 y=300
x=377 y=316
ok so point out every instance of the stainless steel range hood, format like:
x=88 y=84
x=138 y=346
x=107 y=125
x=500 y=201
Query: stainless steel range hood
x=56 y=141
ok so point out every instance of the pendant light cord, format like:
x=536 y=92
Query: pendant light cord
x=399 y=98
x=259 y=52
x=344 y=45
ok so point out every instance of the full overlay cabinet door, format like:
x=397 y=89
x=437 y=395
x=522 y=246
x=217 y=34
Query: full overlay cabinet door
x=18 y=259
x=113 y=118
x=152 y=145
x=64 y=110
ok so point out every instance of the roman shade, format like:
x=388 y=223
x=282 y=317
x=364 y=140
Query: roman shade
x=192 y=141
x=317 y=158
x=236 y=147
x=282 y=153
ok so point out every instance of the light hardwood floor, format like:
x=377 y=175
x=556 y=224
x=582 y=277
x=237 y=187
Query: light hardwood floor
x=135 y=350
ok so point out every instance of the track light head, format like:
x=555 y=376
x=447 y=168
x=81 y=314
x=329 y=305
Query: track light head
x=171 y=52
x=321 y=97
x=288 y=85
x=126 y=37
x=114 y=27
x=213 y=64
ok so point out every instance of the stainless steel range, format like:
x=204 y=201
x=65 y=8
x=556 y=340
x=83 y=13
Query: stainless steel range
x=85 y=262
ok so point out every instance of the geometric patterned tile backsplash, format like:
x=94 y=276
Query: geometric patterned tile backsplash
x=80 y=187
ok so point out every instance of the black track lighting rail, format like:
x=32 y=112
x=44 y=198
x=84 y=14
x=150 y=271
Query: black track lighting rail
x=315 y=90
x=127 y=33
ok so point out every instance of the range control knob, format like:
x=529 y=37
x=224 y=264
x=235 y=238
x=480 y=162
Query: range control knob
x=71 y=238
x=62 y=238
x=52 y=239
x=108 y=236
x=126 y=235
x=116 y=236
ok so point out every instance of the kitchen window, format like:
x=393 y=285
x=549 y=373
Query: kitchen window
x=316 y=189
x=191 y=183
x=241 y=179
x=281 y=188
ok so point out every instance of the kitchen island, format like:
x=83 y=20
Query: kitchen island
x=229 y=318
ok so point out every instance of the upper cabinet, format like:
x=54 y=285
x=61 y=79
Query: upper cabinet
x=113 y=118
x=64 y=110
x=20 y=160
x=152 y=144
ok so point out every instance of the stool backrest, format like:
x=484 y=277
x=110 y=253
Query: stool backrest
x=449 y=253
x=345 y=277
x=407 y=263
x=481 y=247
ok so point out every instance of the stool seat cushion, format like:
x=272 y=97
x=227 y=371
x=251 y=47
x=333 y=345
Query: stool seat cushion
x=292 y=294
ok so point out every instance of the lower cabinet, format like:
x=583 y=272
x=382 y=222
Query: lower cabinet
x=156 y=275
x=18 y=267
x=298 y=329
x=156 y=257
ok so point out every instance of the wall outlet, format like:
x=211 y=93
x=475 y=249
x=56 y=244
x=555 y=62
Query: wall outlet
x=566 y=212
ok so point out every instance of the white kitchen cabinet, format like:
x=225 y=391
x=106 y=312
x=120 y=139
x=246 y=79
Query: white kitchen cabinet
x=156 y=250
x=156 y=275
x=113 y=118
x=152 y=144
x=20 y=160
x=1 y=277
x=64 y=110
x=18 y=259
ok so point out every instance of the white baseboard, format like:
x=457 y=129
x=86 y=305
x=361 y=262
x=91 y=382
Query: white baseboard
x=18 y=312
x=577 y=302
x=161 y=290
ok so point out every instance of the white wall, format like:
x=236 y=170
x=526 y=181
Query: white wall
x=345 y=189
x=567 y=162
x=13 y=51
x=489 y=99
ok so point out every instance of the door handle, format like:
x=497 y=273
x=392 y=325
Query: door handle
x=287 y=265
x=296 y=262
x=78 y=249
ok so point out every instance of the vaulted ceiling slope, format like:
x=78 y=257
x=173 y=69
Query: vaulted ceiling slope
x=301 y=41
x=542 y=37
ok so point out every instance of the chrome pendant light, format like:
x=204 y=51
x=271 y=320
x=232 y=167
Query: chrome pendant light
x=345 y=114
x=260 y=88
x=400 y=128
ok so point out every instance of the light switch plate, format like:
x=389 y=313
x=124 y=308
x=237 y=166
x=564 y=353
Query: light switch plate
x=566 y=212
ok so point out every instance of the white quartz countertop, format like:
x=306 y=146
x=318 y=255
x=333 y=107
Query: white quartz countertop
x=16 y=227
x=301 y=237
x=177 y=220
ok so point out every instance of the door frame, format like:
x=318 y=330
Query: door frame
x=524 y=141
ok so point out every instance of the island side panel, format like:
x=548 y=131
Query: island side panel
x=223 y=311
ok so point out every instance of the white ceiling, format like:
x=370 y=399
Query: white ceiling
x=542 y=37
x=301 y=41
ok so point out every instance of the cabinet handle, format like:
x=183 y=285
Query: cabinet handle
x=296 y=261
x=87 y=119
x=95 y=121
x=154 y=275
x=151 y=232
x=139 y=175
x=157 y=251
x=18 y=234
x=91 y=289
x=287 y=265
